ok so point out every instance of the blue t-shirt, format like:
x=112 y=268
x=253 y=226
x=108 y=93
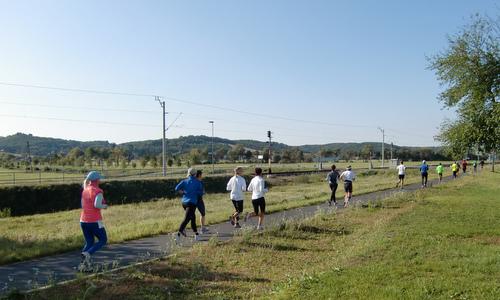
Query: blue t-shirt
x=424 y=168
x=192 y=188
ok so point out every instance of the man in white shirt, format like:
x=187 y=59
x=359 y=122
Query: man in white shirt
x=237 y=185
x=401 y=174
x=348 y=177
x=257 y=187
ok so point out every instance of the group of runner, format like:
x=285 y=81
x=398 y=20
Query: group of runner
x=192 y=190
x=333 y=177
x=424 y=171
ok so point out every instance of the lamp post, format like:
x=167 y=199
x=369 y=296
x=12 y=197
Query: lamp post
x=213 y=166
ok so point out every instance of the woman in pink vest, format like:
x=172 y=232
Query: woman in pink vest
x=91 y=218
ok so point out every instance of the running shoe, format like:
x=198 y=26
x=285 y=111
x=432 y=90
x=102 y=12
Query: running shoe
x=177 y=237
x=237 y=225
x=197 y=237
x=231 y=220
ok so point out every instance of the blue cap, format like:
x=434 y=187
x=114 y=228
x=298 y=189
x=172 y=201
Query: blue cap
x=94 y=175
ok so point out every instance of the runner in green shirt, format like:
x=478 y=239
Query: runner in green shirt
x=439 y=170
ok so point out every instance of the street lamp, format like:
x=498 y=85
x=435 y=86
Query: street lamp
x=213 y=167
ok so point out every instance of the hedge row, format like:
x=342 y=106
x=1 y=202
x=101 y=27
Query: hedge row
x=29 y=200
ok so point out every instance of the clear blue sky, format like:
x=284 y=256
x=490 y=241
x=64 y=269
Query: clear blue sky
x=330 y=62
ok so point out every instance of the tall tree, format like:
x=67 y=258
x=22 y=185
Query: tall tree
x=470 y=71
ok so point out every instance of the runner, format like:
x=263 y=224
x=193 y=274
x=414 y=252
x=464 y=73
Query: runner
x=474 y=166
x=348 y=177
x=424 y=168
x=201 y=205
x=454 y=169
x=464 y=165
x=237 y=185
x=92 y=202
x=401 y=174
x=257 y=187
x=332 y=179
x=191 y=189
x=439 y=171
x=481 y=164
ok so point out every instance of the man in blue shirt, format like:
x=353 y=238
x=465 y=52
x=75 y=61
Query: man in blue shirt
x=424 y=168
x=191 y=190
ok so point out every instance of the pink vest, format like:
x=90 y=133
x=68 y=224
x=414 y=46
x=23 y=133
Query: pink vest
x=90 y=214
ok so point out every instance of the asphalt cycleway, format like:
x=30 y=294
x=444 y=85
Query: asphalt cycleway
x=28 y=275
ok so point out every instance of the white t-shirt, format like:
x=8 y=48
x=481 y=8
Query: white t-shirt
x=237 y=185
x=257 y=187
x=401 y=169
x=348 y=176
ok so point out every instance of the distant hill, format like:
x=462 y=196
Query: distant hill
x=42 y=146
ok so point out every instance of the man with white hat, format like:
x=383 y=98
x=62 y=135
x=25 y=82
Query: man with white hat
x=424 y=168
x=348 y=177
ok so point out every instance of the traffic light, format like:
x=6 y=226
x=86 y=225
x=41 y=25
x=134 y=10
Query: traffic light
x=269 y=134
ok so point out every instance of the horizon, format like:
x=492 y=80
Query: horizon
x=309 y=72
x=138 y=141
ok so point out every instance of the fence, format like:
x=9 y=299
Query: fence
x=8 y=178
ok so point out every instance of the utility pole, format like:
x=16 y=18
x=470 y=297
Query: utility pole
x=213 y=166
x=269 y=158
x=29 y=160
x=383 y=142
x=391 y=151
x=163 y=142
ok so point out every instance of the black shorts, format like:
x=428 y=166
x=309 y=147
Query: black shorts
x=401 y=176
x=348 y=187
x=238 y=205
x=424 y=175
x=201 y=206
x=259 y=204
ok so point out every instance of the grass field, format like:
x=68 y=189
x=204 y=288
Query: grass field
x=72 y=174
x=26 y=237
x=441 y=243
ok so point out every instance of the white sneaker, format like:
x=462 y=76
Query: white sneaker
x=177 y=237
x=85 y=262
x=197 y=237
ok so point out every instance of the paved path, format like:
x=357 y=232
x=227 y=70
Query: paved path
x=57 y=268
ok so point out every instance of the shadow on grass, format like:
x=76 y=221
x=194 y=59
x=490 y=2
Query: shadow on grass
x=277 y=247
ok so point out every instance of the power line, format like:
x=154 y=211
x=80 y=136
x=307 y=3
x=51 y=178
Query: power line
x=181 y=101
x=76 y=120
x=76 y=90
x=78 y=107
x=186 y=102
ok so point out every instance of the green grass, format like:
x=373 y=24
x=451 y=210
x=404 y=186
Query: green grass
x=10 y=177
x=441 y=243
x=27 y=237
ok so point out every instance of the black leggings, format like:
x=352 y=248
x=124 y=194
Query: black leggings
x=424 y=178
x=190 y=210
x=333 y=187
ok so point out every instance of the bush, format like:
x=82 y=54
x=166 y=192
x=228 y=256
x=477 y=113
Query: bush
x=28 y=200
